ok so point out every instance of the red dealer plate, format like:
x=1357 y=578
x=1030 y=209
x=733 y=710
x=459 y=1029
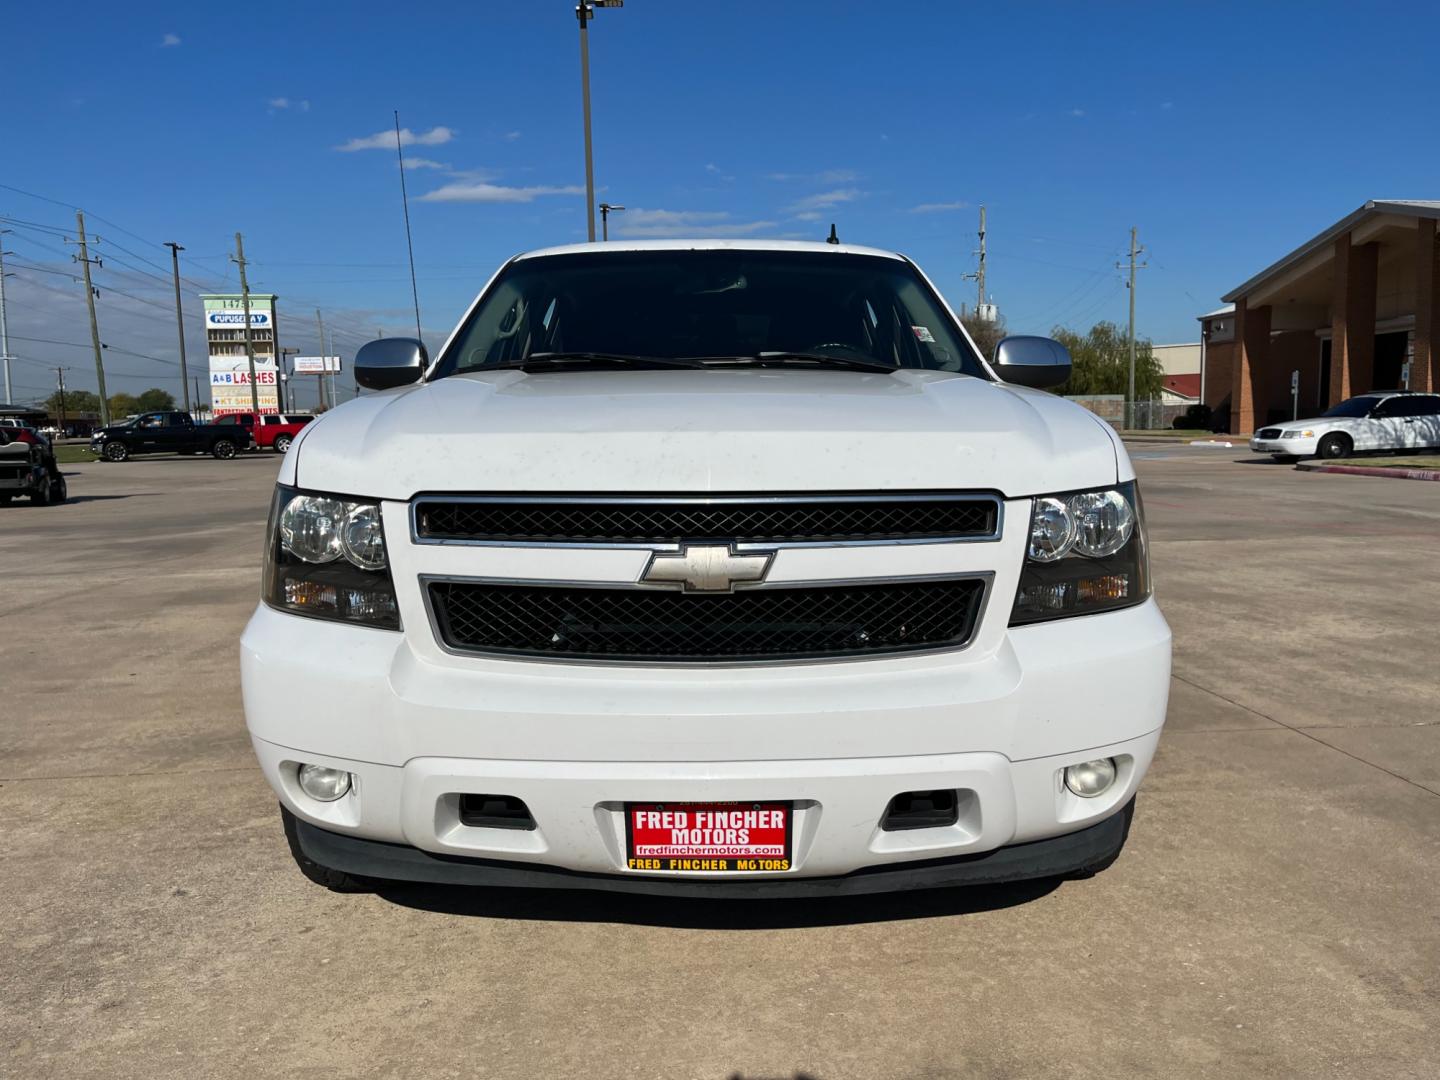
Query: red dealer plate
x=714 y=837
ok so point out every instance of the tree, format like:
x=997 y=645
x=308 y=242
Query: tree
x=987 y=334
x=76 y=402
x=1101 y=363
x=156 y=400
x=122 y=405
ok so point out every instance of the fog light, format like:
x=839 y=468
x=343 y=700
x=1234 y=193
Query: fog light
x=1091 y=778
x=323 y=783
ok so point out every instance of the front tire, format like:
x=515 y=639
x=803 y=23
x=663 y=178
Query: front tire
x=1334 y=446
x=115 y=451
x=334 y=880
x=282 y=444
x=223 y=449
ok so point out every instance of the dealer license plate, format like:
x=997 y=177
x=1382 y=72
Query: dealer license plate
x=712 y=837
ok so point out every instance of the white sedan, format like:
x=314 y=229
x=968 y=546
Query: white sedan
x=1381 y=420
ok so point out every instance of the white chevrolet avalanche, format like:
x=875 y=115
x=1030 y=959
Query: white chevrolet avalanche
x=706 y=568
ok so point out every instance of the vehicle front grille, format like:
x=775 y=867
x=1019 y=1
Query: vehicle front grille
x=579 y=623
x=1268 y=433
x=776 y=519
x=14 y=472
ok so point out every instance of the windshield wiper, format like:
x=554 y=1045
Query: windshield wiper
x=559 y=361
x=779 y=359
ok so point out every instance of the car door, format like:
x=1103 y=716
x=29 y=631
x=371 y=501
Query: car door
x=1384 y=428
x=179 y=432
x=149 y=433
x=1422 y=423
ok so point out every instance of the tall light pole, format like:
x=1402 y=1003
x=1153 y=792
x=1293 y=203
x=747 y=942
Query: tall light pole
x=585 y=11
x=605 y=211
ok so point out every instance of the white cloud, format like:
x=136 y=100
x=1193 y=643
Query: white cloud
x=305 y=105
x=824 y=200
x=1077 y=112
x=424 y=163
x=510 y=136
x=661 y=224
x=937 y=207
x=279 y=103
x=711 y=167
x=809 y=215
x=826 y=176
x=385 y=140
x=169 y=41
x=1167 y=105
x=481 y=191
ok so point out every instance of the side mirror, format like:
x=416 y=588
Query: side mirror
x=389 y=362
x=1038 y=362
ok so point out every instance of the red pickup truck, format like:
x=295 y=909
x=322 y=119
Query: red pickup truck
x=274 y=430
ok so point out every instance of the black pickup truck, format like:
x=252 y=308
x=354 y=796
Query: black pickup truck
x=167 y=433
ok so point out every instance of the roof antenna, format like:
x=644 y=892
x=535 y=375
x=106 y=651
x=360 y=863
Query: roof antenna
x=832 y=238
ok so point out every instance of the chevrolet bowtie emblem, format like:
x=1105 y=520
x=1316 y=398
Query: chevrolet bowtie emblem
x=706 y=568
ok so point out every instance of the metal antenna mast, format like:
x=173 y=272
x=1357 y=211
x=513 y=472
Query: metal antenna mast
x=979 y=275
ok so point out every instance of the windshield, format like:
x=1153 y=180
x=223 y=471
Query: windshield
x=1355 y=406
x=689 y=304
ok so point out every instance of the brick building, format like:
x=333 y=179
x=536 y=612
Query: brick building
x=1355 y=309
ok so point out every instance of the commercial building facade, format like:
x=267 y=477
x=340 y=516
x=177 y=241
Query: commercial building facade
x=1354 y=309
x=229 y=363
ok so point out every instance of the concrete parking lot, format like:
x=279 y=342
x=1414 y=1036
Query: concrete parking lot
x=1273 y=915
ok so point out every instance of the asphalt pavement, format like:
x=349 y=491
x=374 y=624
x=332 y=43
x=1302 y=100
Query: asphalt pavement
x=1272 y=916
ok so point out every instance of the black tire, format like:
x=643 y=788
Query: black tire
x=334 y=880
x=1334 y=445
x=59 y=490
x=282 y=443
x=115 y=451
x=40 y=493
x=223 y=449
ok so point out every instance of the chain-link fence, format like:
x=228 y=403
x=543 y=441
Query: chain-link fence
x=1134 y=415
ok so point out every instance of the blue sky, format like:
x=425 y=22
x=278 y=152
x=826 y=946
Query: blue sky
x=1228 y=133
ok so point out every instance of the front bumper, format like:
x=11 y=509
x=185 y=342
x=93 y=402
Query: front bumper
x=575 y=742
x=1091 y=848
x=1285 y=447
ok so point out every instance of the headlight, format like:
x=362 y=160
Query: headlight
x=325 y=557
x=1085 y=553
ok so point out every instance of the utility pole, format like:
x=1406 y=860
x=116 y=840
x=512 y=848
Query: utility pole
x=1135 y=249
x=4 y=333
x=60 y=374
x=585 y=11
x=197 y=388
x=979 y=276
x=287 y=380
x=323 y=363
x=409 y=245
x=239 y=259
x=84 y=259
x=175 y=250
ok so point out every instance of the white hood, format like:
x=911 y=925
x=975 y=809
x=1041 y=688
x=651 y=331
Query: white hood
x=687 y=432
